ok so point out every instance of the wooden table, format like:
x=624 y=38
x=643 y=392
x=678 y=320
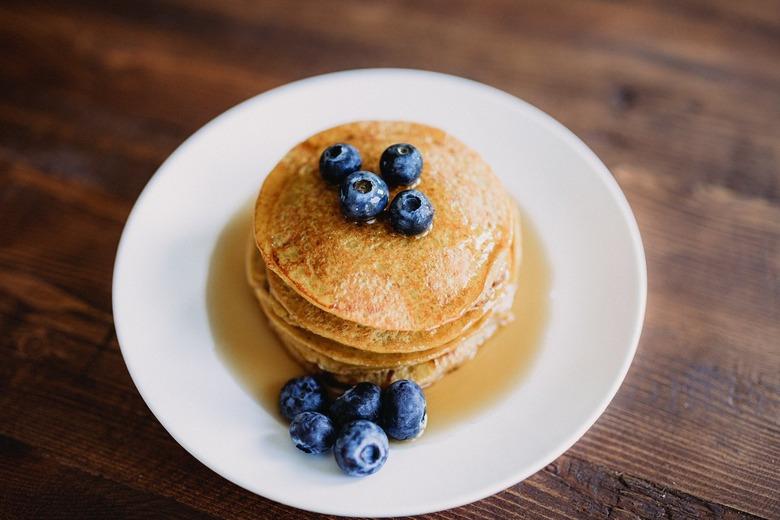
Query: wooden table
x=681 y=100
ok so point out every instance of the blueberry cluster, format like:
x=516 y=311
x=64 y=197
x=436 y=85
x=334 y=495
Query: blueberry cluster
x=357 y=424
x=364 y=195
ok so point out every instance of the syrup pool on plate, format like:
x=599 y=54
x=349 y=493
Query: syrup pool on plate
x=243 y=337
x=249 y=348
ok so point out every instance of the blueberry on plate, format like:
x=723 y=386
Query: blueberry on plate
x=338 y=161
x=411 y=213
x=362 y=401
x=363 y=196
x=361 y=448
x=404 y=414
x=312 y=432
x=303 y=394
x=401 y=164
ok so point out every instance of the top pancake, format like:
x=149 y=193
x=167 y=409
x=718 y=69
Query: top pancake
x=367 y=273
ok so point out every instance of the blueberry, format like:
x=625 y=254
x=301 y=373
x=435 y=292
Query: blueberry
x=362 y=401
x=401 y=164
x=363 y=196
x=312 y=432
x=304 y=394
x=361 y=448
x=403 y=410
x=338 y=161
x=411 y=213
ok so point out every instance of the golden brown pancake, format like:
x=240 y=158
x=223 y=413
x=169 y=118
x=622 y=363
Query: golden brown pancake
x=340 y=353
x=306 y=315
x=424 y=374
x=316 y=354
x=299 y=312
x=367 y=274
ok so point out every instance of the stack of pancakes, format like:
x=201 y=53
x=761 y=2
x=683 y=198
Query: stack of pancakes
x=360 y=302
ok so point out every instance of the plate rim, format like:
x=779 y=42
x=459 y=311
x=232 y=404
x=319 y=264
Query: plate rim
x=598 y=167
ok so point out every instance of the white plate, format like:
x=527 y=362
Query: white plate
x=597 y=297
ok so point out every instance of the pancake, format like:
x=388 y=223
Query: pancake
x=299 y=312
x=425 y=371
x=366 y=274
x=424 y=374
x=305 y=315
x=341 y=353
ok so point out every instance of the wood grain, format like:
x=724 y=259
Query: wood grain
x=680 y=99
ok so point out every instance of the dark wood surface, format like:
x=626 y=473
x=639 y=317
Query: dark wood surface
x=680 y=99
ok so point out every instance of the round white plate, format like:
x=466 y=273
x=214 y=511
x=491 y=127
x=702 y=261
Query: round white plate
x=597 y=294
